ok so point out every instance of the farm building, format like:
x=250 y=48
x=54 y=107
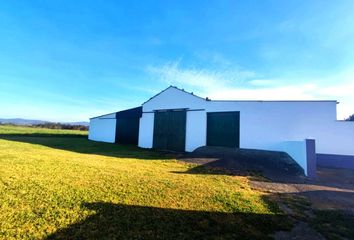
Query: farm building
x=118 y=127
x=180 y=121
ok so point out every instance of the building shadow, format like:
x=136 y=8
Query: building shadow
x=81 y=144
x=334 y=224
x=119 y=221
x=271 y=165
x=330 y=213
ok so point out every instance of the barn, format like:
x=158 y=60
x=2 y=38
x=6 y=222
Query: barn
x=118 y=127
x=180 y=121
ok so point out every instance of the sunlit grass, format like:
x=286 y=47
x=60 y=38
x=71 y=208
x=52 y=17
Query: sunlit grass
x=44 y=187
x=9 y=129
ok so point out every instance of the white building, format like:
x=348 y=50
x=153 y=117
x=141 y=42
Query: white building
x=180 y=121
x=118 y=127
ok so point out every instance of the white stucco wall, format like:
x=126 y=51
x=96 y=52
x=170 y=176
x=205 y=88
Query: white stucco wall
x=146 y=130
x=195 y=130
x=336 y=138
x=296 y=150
x=263 y=124
x=266 y=123
x=103 y=129
x=173 y=98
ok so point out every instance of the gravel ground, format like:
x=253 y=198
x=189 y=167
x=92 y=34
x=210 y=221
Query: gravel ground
x=332 y=190
x=275 y=166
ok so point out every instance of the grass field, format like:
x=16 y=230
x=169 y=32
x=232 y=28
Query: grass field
x=56 y=184
x=18 y=130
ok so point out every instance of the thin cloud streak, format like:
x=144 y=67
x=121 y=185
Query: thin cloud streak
x=239 y=85
x=203 y=80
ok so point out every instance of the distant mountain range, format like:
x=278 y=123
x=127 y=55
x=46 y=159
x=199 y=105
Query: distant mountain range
x=21 y=121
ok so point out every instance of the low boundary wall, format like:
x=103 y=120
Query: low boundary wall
x=336 y=161
x=303 y=152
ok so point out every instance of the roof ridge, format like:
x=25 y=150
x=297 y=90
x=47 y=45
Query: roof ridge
x=171 y=86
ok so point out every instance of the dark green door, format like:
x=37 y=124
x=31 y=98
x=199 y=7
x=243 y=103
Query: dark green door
x=170 y=130
x=223 y=129
x=127 y=130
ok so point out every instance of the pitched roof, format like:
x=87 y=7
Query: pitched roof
x=207 y=99
x=182 y=90
x=123 y=113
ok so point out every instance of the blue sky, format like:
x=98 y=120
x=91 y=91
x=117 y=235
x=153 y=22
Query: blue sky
x=71 y=60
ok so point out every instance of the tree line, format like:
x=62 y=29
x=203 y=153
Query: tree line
x=61 y=126
x=350 y=118
x=52 y=126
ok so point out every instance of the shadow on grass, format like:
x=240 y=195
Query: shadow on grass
x=80 y=144
x=330 y=213
x=334 y=224
x=117 y=221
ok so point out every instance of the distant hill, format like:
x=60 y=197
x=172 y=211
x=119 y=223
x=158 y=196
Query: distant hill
x=21 y=121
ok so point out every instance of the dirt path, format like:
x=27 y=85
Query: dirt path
x=333 y=190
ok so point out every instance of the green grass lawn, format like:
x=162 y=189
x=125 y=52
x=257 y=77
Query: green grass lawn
x=57 y=184
x=19 y=130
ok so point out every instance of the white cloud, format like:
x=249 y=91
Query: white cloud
x=203 y=80
x=239 y=85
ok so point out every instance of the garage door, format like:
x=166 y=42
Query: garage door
x=127 y=130
x=223 y=129
x=127 y=126
x=170 y=130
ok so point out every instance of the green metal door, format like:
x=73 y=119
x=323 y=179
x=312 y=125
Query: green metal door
x=170 y=130
x=127 y=126
x=160 y=130
x=223 y=129
x=127 y=130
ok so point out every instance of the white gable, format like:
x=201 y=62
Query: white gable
x=173 y=98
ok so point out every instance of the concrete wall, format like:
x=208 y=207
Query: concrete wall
x=103 y=129
x=336 y=161
x=195 y=130
x=337 y=137
x=263 y=124
x=311 y=158
x=175 y=99
x=335 y=145
x=296 y=149
x=146 y=130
